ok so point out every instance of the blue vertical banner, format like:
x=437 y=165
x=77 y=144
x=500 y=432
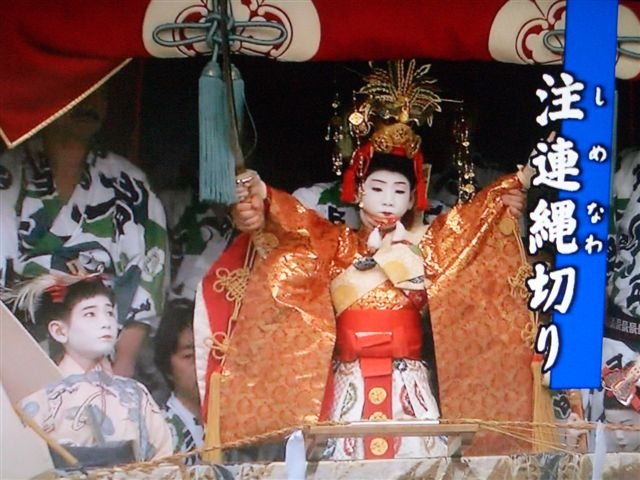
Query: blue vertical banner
x=585 y=91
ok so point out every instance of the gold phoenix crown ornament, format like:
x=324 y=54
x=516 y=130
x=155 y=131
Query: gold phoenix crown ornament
x=396 y=97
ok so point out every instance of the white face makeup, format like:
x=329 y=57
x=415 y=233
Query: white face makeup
x=386 y=197
x=91 y=330
x=622 y=440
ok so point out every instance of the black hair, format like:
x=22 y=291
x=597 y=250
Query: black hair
x=611 y=403
x=393 y=163
x=49 y=310
x=177 y=317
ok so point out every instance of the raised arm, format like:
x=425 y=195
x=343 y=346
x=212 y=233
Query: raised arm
x=452 y=239
x=259 y=204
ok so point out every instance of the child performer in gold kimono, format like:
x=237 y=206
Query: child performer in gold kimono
x=320 y=292
x=378 y=291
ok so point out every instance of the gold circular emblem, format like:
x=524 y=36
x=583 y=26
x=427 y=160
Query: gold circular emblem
x=375 y=416
x=377 y=395
x=379 y=446
x=506 y=226
x=356 y=118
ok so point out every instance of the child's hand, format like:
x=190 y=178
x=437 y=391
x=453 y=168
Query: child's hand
x=515 y=201
x=249 y=183
x=248 y=216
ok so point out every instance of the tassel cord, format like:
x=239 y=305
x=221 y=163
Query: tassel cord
x=251 y=150
x=227 y=76
x=221 y=100
x=222 y=104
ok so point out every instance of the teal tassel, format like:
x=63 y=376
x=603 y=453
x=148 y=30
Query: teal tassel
x=217 y=159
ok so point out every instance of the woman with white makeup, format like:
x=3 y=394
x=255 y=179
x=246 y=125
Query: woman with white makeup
x=323 y=298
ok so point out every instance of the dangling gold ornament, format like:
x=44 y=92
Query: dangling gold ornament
x=467 y=185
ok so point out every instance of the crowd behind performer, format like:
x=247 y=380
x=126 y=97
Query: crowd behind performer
x=90 y=406
x=199 y=231
x=66 y=204
x=174 y=356
x=377 y=284
x=619 y=399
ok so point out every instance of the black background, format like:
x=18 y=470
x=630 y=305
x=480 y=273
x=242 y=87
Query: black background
x=154 y=116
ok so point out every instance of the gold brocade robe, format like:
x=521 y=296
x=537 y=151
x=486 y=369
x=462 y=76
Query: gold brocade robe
x=280 y=353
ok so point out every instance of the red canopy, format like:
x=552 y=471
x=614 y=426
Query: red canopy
x=56 y=53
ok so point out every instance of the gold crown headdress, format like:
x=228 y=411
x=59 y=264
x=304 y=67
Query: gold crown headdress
x=404 y=95
x=394 y=98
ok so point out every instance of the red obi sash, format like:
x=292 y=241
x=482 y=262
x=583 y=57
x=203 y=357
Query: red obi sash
x=376 y=337
x=378 y=334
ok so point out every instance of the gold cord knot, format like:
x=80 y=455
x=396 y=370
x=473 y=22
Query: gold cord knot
x=218 y=344
x=233 y=282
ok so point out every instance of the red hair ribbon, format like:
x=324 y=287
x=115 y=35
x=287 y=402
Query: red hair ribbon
x=58 y=292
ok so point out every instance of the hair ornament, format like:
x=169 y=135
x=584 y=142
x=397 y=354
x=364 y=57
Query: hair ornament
x=27 y=295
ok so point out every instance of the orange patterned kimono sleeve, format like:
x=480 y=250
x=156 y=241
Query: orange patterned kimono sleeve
x=473 y=257
x=334 y=244
x=280 y=351
x=293 y=218
x=453 y=239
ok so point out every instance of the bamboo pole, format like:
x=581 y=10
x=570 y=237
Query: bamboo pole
x=60 y=450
